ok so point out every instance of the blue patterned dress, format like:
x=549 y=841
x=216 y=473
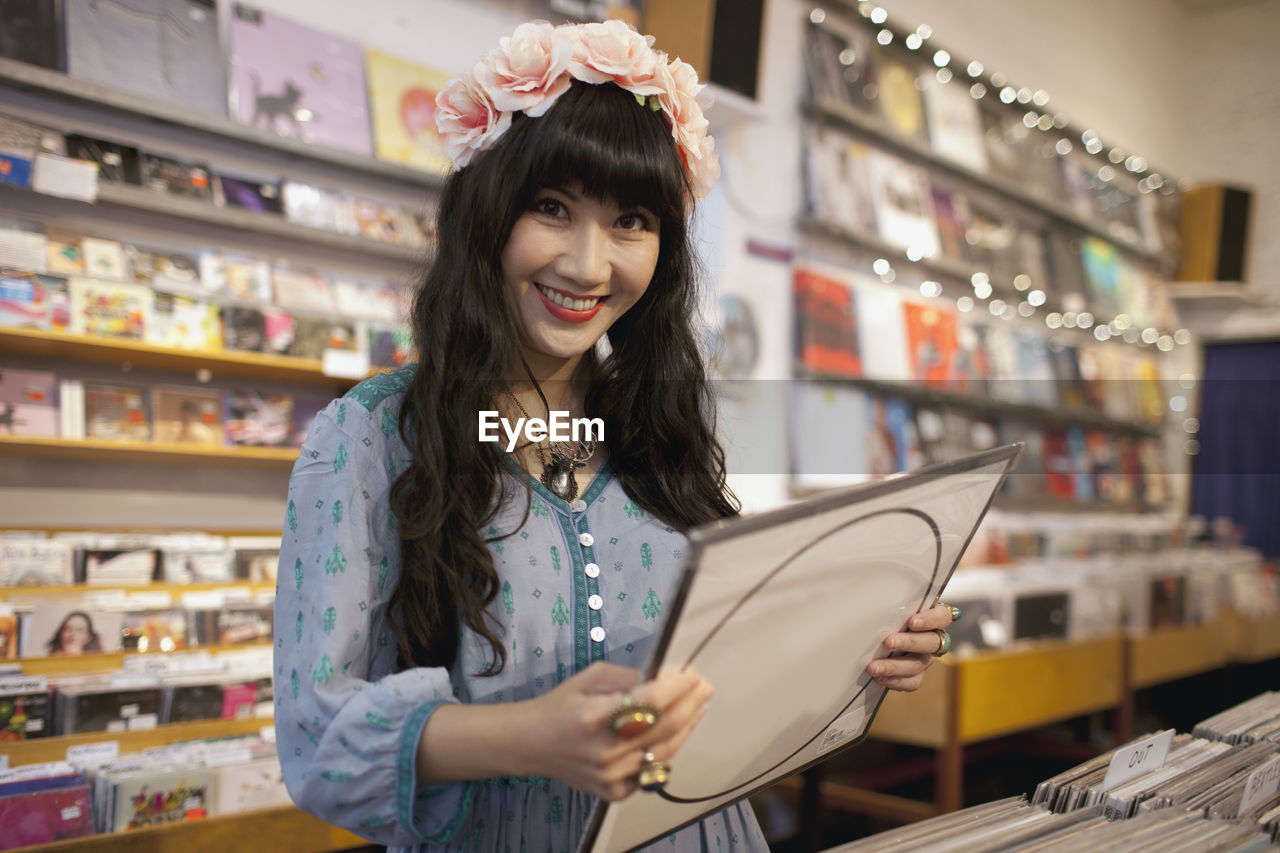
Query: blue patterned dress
x=581 y=582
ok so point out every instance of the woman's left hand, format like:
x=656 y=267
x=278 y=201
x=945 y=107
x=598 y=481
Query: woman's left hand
x=915 y=648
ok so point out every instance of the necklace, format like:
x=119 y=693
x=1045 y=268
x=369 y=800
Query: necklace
x=557 y=474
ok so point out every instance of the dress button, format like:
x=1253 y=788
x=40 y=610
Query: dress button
x=579 y=505
x=586 y=539
x=595 y=602
x=592 y=570
x=597 y=634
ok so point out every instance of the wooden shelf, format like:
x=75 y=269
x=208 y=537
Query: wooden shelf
x=1167 y=654
x=998 y=693
x=233 y=363
x=42 y=81
x=137 y=451
x=849 y=118
x=281 y=828
x=106 y=661
x=1251 y=639
x=233 y=219
x=43 y=749
x=922 y=395
x=174 y=589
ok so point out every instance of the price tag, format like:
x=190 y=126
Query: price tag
x=93 y=754
x=345 y=364
x=228 y=754
x=1263 y=784
x=143 y=722
x=1138 y=759
x=64 y=177
x=4 y=759
x=71 y=813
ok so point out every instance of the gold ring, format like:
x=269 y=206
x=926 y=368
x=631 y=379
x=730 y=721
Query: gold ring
x=944 y=642
x=632 y=719
x=653 y=773
x=956 y=612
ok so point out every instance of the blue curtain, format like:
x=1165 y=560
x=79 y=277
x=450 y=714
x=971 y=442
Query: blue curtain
x=1237 y=473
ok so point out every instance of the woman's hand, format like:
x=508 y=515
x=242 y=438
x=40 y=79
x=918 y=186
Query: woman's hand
x=571 y=738
x=915 y=648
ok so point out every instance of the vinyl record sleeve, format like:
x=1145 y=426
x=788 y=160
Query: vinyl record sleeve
x=776 y=613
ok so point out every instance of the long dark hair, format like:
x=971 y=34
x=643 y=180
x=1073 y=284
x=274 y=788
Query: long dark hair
x=54 y=646
x=651 y=390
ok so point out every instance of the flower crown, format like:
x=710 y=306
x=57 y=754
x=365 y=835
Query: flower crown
x=537 y=64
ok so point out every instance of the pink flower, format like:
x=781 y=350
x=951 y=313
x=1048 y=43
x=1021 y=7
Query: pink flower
x=613 y=52
x=526 y=72
x=678 y=100
x=704 y=167
x=467 y=120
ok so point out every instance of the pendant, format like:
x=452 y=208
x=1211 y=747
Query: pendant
x=560 y=481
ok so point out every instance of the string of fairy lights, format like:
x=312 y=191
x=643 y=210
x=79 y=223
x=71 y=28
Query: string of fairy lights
x=1038 y=116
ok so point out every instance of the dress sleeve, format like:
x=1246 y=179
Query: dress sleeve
x=348 y=738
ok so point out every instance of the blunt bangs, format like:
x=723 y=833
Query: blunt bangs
x=598 y=139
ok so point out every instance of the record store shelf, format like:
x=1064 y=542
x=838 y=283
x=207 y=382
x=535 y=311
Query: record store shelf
x=280 y=828
x=843 y=115
x=104 y=661
x=42 y=749
x=233 y=219
x=26 y=593
x=117 y=351
x=86 y=450
x=60 y=86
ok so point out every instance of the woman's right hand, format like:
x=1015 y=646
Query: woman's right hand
x=569 y=735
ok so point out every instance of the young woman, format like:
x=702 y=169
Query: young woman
x=456 y=624
x=74 y=636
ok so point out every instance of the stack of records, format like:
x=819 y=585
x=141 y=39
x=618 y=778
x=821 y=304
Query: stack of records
x=1255 y=720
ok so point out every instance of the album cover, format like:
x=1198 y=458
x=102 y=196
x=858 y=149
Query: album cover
x=188 y=416
x=184 y=322
x=1003 y=380
x=839 y=67
x=1059 y=468
x=1067 y=375
x=1035 y=368
x=370 y=300
x=903 y=205
x=117 y=163
x=389 y=346
x=259 y=196
x=882 y=333
x=35 y=562
x=20 y=142
x=1104 y=466
x=826 y=425
x=972 y=368
x=1041 y=161
x=302 y=290
x=109 y=310
x=256 y=785
x=955 y=126
x=259 y=419
x=116 y=413
x=1002 y=133
x=24 y=703
x=64 y=256
x=245 y=328
x=931 y=342
x=163 y=49
x=30 y=32
x=176 y=177
x=385 y=223
x=992 y=237
x=64 y=627
x=237 y=277
x=242 y=624
x=172 y=272
x=197 y=563
x=297 y=81
x=314 y=335
x=28 y=402
x=1041 y=614
x=1081 y=469
x=312 y=206
x=45 y=816
x=154 y=631
x=826 y=324
x=125 y=566
x=256 y=557
x=837 y=180
x=103 y=258
x=900 y=102
x=23 y=244
x=187 y=702
x=402 y=99
x=950 y=214
x=280 y=331
x=892 y=443
x=153 y=797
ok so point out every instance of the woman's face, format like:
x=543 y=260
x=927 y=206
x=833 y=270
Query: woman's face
x=572 y=266
x=75 y=634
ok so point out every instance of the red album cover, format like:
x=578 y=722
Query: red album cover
x=44 y=816
x=1058 y=467
x=931 y=342
x=826 y=324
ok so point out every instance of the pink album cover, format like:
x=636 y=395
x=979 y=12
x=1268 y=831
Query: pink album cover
x=45 y=816
x=293 y=80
